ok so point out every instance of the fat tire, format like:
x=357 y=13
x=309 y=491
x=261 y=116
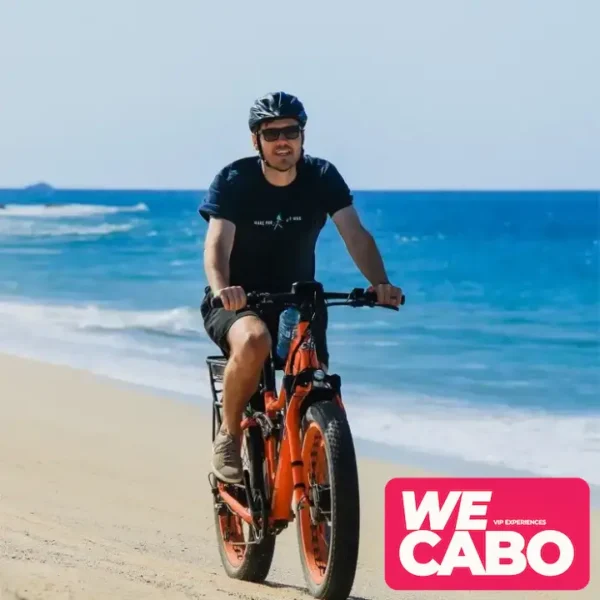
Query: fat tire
x=345 y=503
x=257 y=560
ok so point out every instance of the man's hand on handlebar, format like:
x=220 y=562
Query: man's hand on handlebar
x=387 y=294
x=233 y=297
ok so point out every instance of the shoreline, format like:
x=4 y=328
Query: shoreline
x=366 y=448
x=381 y=452
x=104 y=494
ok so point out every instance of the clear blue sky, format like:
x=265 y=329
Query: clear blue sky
x=400 y=94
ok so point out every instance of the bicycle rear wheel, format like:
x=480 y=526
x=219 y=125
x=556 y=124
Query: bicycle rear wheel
x=242 y=554
x=329 y=529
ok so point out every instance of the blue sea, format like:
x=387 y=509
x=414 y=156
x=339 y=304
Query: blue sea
x=494 y=358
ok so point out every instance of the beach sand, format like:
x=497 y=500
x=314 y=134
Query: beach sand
x=104 y=494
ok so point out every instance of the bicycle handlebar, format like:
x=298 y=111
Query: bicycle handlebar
x=357 y=297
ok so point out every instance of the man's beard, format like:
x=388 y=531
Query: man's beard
x=282 y=169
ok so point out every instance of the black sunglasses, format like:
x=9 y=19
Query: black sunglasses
x=272 y=134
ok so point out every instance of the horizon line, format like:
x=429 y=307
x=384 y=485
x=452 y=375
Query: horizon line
x=43 y=186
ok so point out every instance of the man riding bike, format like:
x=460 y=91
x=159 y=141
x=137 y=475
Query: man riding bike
x=264 y=216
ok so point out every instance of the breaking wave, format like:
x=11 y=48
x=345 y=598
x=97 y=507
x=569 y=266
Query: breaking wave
x=44 y=229
x=68 y=210
x=181 y=322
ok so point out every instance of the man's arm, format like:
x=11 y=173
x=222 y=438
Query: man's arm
x=361 y=245
x=365 y=254
x=217 y=250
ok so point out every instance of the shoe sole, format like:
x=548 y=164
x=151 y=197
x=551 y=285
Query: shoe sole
x=224 y=479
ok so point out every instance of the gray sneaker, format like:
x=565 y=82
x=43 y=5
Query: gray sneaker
x=226 y=460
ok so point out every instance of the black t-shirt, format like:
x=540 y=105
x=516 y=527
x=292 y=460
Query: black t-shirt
x=276 y=226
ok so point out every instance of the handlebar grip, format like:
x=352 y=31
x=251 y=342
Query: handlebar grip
x=371 y=296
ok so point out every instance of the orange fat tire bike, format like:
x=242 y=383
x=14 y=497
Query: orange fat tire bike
x=299 y=459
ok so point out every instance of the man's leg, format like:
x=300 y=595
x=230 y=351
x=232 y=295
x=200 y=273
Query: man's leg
x=249 y=343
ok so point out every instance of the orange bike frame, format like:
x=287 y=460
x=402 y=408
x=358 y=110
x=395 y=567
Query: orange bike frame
x=285 y=469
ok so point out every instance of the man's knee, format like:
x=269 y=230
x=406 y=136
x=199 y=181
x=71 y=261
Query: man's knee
x=249 y=338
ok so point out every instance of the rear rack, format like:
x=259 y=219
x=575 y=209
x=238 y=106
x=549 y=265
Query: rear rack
x=216 y=368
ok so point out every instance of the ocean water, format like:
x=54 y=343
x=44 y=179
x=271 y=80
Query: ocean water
x=495 y=357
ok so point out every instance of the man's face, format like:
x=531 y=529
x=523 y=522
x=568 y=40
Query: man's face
x=281 y=142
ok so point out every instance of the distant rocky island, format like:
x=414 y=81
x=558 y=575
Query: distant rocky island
x=40 y=188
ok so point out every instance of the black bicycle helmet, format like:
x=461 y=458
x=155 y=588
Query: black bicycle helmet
x=277 y=105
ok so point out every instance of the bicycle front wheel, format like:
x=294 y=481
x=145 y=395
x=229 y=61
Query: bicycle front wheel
x=328 y=526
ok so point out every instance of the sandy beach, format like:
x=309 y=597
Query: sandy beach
x=104 y=494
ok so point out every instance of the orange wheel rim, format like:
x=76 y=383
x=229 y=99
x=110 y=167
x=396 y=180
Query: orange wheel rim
x=232 y=534
x=231 y=528
x=314 y=530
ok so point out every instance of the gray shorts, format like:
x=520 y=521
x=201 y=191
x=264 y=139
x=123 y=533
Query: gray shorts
x=218 y=321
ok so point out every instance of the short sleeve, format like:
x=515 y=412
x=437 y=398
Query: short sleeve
x=220 y=200
x=336 y=193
